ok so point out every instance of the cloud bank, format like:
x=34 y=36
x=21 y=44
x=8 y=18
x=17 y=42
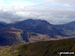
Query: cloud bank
x=62 y=1
x=54 y=11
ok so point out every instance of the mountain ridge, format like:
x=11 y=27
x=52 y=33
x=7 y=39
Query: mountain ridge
x=35 y=31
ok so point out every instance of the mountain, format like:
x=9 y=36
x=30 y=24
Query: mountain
x=37 y=26
x=30 y=30
x=47 y=48
x=68 y=29
x=2 y=24
x=37 y=30
x=10 y=36
x=50 y=39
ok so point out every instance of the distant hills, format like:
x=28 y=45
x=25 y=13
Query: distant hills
x=33 y=31
x=68 y=29
x=2 y=24
x=47 y=48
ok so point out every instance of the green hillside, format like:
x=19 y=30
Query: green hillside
x=46 y=48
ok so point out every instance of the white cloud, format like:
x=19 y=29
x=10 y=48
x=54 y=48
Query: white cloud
x=54 y=11
x=62 y=1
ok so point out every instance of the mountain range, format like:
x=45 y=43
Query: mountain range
x=30 y=30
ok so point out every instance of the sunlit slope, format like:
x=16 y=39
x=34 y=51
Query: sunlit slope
x=49 y=48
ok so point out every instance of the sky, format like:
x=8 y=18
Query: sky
x=54 y=11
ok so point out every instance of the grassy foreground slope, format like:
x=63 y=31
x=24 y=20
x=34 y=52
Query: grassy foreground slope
x=49 y=48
